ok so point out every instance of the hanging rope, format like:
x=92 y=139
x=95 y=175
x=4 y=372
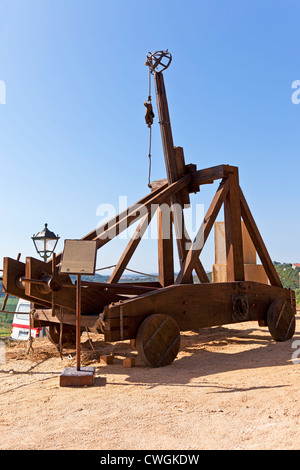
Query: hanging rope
x=149 y=121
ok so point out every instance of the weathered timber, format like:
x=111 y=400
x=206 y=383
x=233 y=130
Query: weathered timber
x=165 y=246
x=196 y=305
x=158 y=340
x=131 y=247
x=233 y=230
x=281 y=320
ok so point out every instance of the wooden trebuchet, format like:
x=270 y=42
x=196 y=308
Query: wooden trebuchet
x=154 y=313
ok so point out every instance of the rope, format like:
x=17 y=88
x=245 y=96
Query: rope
x=106 y=267
x=149 y=121
x=288 y=278
x=149 y=156
x=127 y=269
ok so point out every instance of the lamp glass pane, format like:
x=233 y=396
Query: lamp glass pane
x=39 y=245
x=50 y=244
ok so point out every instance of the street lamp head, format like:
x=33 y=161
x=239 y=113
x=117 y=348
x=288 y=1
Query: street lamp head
x=45 y=242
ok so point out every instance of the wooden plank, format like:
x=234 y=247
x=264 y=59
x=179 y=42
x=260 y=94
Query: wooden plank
x=202 y=235
x=12 y=271
x=259 y=243
x=200 y=271
x=181 y=171
x=233 y=231
x=196 y=306
x=165 y=127
x=93 y=298
x=208 y=175
x=135 y=215
x=170 y=161
x=38 y=269
x=165 y=246
x=120 y=288
x=158 y=184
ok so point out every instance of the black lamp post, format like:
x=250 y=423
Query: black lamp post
x=45 y=242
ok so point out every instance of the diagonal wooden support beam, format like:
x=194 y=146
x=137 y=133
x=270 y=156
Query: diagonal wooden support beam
x=139 y=212
x=131 y=247
x=259 y=243
x=116 y=225
x=93 y=234
x=202 y=235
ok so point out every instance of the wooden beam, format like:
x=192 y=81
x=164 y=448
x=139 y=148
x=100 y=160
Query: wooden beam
x=233 y=230
x=130 y=248
x=137 y=213
x=93 y=234
x=173 y=161
x=193 y=306
x=208 y=175
x=259 y=243
x=165 y=245
x=165 y=127
x=200 y=271
x=181 y=171
x=202 y=235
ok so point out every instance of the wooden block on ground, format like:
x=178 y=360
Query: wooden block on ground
x=106 y=359
x=129 y=362
x=71 y=377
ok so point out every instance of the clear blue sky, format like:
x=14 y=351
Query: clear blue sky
x=72 y=131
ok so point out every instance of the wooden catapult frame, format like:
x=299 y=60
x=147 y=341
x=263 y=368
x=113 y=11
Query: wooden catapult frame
x=154 y=313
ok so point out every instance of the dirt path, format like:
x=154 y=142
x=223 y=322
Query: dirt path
x=230 y=388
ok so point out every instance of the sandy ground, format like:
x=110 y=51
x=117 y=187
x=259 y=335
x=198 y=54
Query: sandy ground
x=230 y=387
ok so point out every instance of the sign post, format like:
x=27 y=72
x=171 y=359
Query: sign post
x=79 y=258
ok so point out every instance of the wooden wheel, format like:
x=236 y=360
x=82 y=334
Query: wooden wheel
x=158 y=340
x=68 y=335
x=281 y=320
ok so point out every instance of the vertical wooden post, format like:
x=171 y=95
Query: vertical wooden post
x=165 y=245
x=78 y=314
x=170 y=162
x=233 y=230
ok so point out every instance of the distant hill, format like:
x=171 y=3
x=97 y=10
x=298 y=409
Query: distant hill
x=289 y=277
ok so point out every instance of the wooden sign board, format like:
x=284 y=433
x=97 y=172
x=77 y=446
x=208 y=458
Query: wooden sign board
x=79 y=257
